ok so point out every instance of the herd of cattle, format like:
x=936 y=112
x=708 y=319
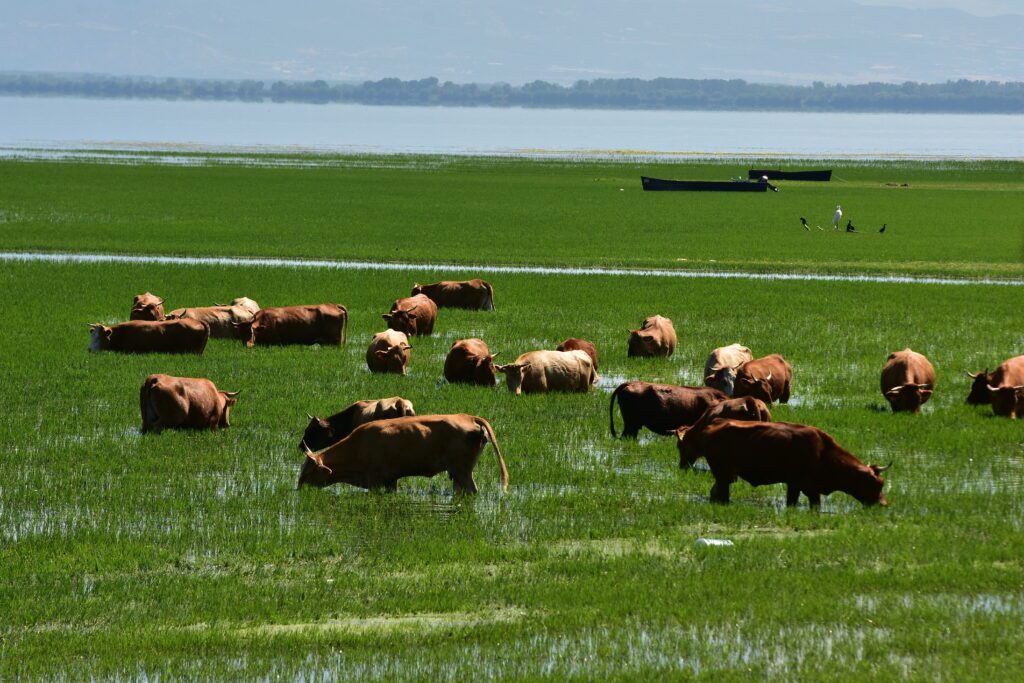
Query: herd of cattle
x=373 y=444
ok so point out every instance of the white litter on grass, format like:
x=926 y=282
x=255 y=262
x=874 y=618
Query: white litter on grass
x=75 y=257
x=716 y=542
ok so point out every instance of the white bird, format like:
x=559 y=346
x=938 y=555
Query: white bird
x=838 y=216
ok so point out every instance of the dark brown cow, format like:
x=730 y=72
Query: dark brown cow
x=474 y=294
x=377 y=454
x=662 y=408
x=767 y=378
x=908 y=380
x=806 y=459
x=388 y=352
x=315 y=324
x=321 y=433
x=655 y=338
x=224 y=321
x=470 y=362
x=573 y=344
x=1006 y=385
x=170 y=402
x=746 y=408
x=979 y=395
x=147 y=307
x=414 y=315
x=149 y=336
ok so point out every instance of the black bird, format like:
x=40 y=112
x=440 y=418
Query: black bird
x=883 y=228
x=803 y=221
x=849 y=227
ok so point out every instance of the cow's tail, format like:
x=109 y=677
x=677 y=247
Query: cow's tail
x=486 y=426
x=611 y=408
x=489 y=304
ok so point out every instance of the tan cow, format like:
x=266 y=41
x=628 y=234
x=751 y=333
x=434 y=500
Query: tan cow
x=720 y=367
x=541 y=371
x=414 y=315
x=470 y=362
x=377 y=454
x=151 y=336
x=768 y=379
x=245 y=303
x=170 y=402
x=321 y=433
x=474 y=294
x=655 y=338
x=147 y=307
x=224 y=321
x=908 y=380
x=388 y=352
x=315 y=324
x=1006 y=384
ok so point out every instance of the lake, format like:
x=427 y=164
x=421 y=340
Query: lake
x=66 y=123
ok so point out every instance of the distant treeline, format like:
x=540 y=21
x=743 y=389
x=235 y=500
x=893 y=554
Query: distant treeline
x=961 y=96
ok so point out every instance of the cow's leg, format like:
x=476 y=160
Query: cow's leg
x=391 y=485
x=784 y=398
x=720 y=492
x=463 y=482
x=792 y=495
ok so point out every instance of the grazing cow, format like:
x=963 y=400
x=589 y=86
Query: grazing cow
x=147 y=307
x=470 y=362
x=1006 y=385
x=541 y=371
x=388 y=352
x=720 y=368
x=377 y=454
x=908 y=380
x=184 y=402
x=767 y=378
x=224 y=321
x=662 y=408
x=316 y=324
x=573 y=344
x=980 y=395
x=246 y=304
x=655 y=338
x=321 y=433
x=746 y=408
x=806 y=459
x=475 y=294
x=149 y=336
x=414 y=315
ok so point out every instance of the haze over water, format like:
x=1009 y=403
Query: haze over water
x=60 y=123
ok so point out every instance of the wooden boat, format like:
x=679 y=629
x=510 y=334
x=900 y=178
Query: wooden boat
x=656 y=184
x=821 y=176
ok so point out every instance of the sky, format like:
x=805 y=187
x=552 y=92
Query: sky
x=487 y=41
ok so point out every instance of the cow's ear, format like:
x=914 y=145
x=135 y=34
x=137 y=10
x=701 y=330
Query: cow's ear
x=106 y=332
x=681 y=433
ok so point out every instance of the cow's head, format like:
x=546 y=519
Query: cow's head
x=748 y=385
x=514 y=373
x=642 y=343
x=417 y=288
x=484 y=369
x=687 y=452
x=867 y=485
x=319 y=434
x=908 y=397
x=402 y=320
x=314 y=472
x=245 y=330
x=150 y=311
x=980 y=395
x=230 y=398
x=395 y=359
x=247 y=304
x=722 y=378
x=100 y=337
x=1007 y=401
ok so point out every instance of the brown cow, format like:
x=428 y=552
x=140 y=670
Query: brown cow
x=245 y=303
x=377 y=454
x=1006 y=385
x=806 y=459
x=662 y=408
x=908 y=380
x=170 y=402
x=224 y=321
x=316 y=324
x=470 y=362
x=388 y=352
x=474 y=294
x=655 y=338
x=147 y=307
x=746 y=408
x=414 y=315
x=149 y=336
x=542 y=371
x=720 y=367
x=979 y=395
x=573 y=344
x=321 y=433
x=767 y=378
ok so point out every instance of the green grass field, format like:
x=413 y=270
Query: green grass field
x=191 y=555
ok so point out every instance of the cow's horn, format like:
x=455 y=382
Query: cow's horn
x=217 y=304
x=1019 y=386
x=311 y=417
x=922 y=386
x=160 y=302
x=495 y=355
x=894 y=390
x=412 y=308
x=972 y=375
x=769 y=377
x=882 y=469
x=992 y=388
x=232 y=394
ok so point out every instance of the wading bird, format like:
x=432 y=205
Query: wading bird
x=803 y=221
x=883 y=228
x=838 y=216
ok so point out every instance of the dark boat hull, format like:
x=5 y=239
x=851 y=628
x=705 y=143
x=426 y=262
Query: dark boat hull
x=656 y=185
x=820 y=176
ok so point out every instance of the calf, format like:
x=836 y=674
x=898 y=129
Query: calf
x=388 y=352
x=315 y=324
x=662 y=408
x=767 y=378
x=321 y=433
x=147 y=336
x=470 y=362
x=573 y=344
x=147 y=307
x=908 y=380
x=475 y=294
x=170 y=402
x=655 y=338
x=720 y=367
x=542 y=371
x=413 y=315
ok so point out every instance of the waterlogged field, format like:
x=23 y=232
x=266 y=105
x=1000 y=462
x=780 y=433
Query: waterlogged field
x=192 y=554
x=952 y=218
